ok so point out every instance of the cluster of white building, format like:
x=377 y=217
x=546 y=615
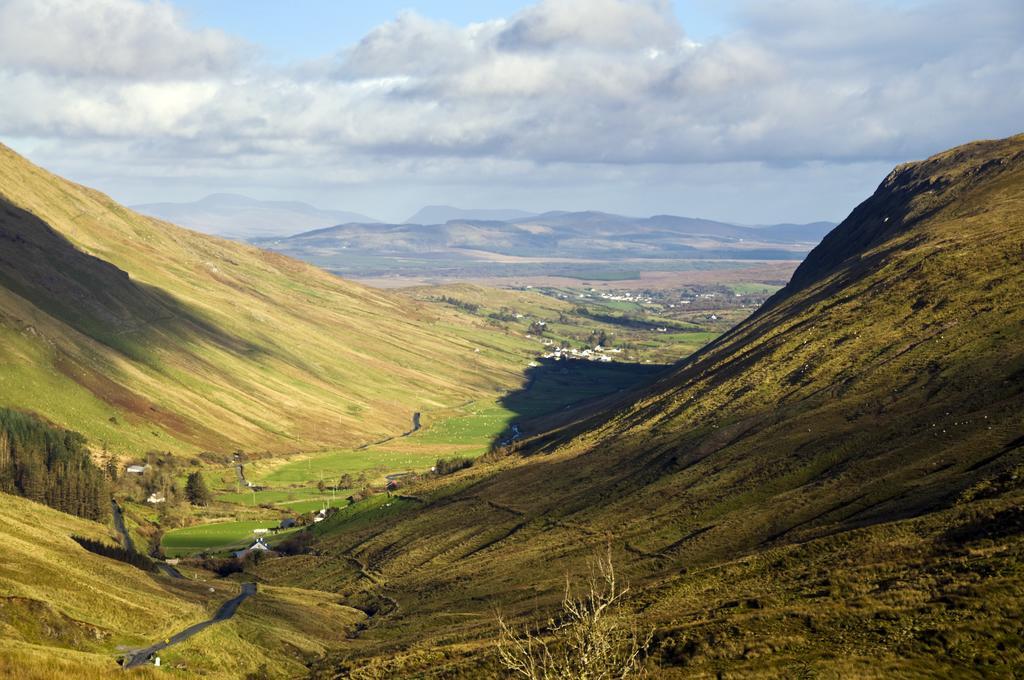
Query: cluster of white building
x=627 y=297
x=599 y=353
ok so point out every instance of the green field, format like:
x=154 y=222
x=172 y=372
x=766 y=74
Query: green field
x=333 y=464
x=300 y=500
x=217 y=537
x=746 y=288
x=340 y=501
x=470 y=430
x=477 y=426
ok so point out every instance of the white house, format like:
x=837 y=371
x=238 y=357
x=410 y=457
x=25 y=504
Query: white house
x=260 y=531
x=136 y=469
x=258 y=545
x=155 y=498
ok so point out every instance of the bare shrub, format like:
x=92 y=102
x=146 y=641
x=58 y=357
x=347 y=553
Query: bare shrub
x=593 y=639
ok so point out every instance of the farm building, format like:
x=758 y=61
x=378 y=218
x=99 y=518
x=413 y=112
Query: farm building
x=258 y=545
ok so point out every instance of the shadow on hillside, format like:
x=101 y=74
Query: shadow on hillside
x=560 y=392
x=92 y=295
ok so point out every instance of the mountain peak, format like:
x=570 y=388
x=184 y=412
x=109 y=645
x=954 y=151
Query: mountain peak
x=907 y=198
x=442 y=214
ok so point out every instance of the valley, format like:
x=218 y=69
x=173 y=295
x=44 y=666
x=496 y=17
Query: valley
x=808 y=471
x=531 y=340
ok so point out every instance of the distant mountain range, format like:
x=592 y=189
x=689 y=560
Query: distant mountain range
x=439 y=214
x=299 y=229
x=242 y=217
x=561 y=235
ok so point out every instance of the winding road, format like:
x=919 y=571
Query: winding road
x=129 y=546
x=169 y=570
x=226 y=611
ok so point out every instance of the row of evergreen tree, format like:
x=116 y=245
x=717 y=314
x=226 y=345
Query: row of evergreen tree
x=116 y=552
x=51 y=466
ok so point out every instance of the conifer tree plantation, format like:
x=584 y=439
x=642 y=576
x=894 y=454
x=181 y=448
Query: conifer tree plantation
x=538 y=340
x=50 y=465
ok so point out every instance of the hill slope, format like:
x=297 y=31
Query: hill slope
x=56 y=594
x=148 y=336
x=861 y=432
x=67 y=612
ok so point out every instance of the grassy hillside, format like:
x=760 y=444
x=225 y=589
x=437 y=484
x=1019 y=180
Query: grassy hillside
x=832 y=488
x=55 y=594
x=147 y=336
x=65 y=611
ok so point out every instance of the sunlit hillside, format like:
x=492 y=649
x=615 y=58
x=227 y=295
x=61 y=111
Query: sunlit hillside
x=143 y=335
x=834 y=485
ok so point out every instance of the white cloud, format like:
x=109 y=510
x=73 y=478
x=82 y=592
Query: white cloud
x=600 y=25
x=564 y=83
x=113 y=38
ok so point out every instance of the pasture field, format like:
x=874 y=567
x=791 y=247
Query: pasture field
x=373 y=462
x=753 y=288
x=273 y=496
x=300 y=499
x=477 y=425
x=312 y=505
x=215 y=537
x=469 y=430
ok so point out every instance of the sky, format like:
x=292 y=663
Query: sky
x=751 y=111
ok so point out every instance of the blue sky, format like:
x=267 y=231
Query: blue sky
x=312 y=28
x=751 y=111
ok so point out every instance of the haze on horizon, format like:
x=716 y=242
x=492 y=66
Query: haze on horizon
x=748 y=112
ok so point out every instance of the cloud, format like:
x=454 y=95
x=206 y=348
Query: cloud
x=109 y=38
x=563 y=83
x=600 y=25
x=617 y=81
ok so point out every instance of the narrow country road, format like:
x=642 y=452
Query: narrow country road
x=129 y=546
x=169 y=570
x=226 y=611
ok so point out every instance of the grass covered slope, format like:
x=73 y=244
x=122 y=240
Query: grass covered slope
x=885 y=383
x=56 y=594
x=144 y=335
x=67 y=612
